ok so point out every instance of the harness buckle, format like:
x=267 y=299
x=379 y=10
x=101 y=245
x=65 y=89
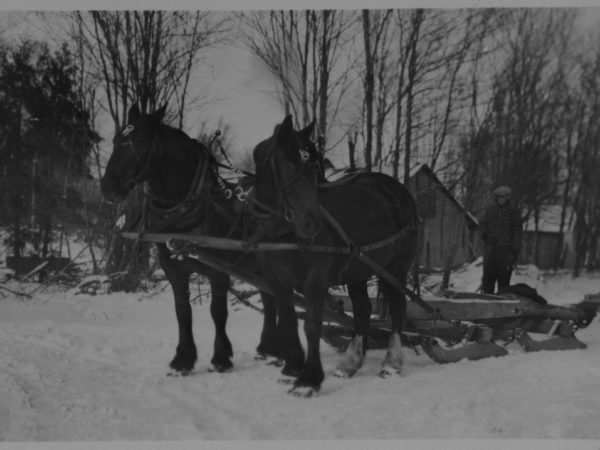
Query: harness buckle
x=131 y=185
x=304 y=155
x=128 y=129
x=228 y=193
x=289 y=215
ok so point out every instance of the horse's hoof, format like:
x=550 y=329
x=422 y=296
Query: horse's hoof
x=260 y=356
x=274 y=361
x=287 y=381
x=303 y=392
x=179 y=373
x=343 y=373
x=180 y=368
x=291 y=371
x=220 y=368
x=388 y=371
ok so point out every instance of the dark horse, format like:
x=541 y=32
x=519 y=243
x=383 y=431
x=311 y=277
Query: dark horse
x=352 y=213
x=187 y=196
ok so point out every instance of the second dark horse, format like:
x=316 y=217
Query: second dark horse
x=354 y=213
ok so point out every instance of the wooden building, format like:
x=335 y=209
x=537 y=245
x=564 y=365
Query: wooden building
x=449 y=233
x=546 y=245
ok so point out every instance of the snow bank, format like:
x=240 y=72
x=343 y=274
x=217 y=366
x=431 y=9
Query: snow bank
x=93 y=368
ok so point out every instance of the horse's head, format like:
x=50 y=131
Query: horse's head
x=133 y=149
x=288 y=170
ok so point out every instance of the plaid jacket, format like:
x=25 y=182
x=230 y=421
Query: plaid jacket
x=501 y=225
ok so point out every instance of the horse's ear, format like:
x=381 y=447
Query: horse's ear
x=133 y=115
x=307 y=132
x=284 y=129
x=158 y=115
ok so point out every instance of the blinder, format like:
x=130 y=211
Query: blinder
x=144 y=162
x=289 y=214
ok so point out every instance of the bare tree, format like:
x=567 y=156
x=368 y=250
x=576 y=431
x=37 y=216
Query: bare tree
x=586 y=158
x=8 y=21
x=147 y=57
x=307 y=53
x=144 y=58
x=377 y=80
x=518 y=136
x=416 y=23
x=523 y=136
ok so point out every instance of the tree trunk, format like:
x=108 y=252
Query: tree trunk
x=369 y=85
x=352 y=151
x=324 y=76
x=17 y=237
x=412 y=72
x=396 y=156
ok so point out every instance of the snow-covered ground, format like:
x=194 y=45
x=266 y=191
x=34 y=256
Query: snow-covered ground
x=78 y=367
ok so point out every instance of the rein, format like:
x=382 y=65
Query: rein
x=132 y=183
x=288 y=212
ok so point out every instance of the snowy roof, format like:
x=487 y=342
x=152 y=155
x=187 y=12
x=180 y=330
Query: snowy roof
x=416 y=169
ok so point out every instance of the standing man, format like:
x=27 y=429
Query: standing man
x=501 y=228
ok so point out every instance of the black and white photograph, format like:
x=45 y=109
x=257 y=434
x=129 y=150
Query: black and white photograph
x=300 y=223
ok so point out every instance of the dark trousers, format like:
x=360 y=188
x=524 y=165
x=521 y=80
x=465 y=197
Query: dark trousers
x=497 y=267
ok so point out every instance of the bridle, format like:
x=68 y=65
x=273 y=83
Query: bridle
x=282 y=186
x=132 y=183
x=144 y=162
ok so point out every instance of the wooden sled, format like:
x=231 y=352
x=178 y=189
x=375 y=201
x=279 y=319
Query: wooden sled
x=470 y=326
x=448 y=327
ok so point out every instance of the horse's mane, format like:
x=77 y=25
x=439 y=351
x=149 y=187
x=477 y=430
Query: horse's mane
x=172 y=132
x=262 y=147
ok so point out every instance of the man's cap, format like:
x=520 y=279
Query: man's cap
x=502 y=191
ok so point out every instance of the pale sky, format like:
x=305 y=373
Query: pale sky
x=243 y=92
x=245 y=97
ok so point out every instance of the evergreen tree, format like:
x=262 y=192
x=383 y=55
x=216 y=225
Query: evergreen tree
x=45 y=142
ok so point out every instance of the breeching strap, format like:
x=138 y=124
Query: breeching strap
x=377 y=268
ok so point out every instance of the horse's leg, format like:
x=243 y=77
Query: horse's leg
x=393 y=362
x=287 y=326
x=219 y=285
x=185 y=355
x=361 y=309
x=269 y=344
x=315 y=289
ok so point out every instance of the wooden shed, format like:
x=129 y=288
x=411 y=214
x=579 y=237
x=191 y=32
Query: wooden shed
x=542 y=244
x=448 y=231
